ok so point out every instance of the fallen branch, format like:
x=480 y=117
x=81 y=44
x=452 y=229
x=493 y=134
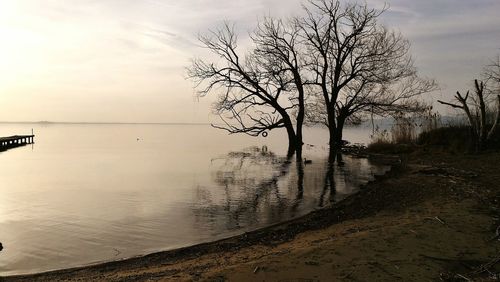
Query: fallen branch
x=463 y=277
x=486 y=267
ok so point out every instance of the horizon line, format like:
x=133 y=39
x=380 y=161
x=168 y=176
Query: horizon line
x=103 y=122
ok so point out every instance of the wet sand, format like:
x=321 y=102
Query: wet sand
x=432 y=218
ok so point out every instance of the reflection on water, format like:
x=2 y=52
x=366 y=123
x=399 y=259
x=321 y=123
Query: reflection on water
x=91 y=193
x=258 y=188
x=250 y=194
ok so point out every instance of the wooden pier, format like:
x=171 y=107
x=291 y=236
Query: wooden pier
x=15 y=141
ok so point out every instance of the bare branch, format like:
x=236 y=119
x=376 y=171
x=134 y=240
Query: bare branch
x=358 y=65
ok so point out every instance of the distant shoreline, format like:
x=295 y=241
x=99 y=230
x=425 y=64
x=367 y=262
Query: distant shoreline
x=102 y=123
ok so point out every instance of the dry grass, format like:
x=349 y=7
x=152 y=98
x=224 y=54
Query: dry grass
x=404 y=133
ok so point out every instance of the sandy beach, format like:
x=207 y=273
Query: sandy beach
x=428 y=219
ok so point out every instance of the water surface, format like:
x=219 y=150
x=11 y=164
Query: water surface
x=87 y=193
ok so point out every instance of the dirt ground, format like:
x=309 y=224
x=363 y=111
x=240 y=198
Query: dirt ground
x=434 y=218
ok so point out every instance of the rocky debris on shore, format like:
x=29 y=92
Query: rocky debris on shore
x=356 y=150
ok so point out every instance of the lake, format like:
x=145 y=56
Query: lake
x=89 y=193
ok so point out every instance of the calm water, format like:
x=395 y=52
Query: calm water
x=90 y=193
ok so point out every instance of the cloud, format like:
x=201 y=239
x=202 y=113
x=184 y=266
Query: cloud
x=171 y=39
x=137 y=50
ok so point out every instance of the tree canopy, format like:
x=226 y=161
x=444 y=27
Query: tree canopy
x=332 y=65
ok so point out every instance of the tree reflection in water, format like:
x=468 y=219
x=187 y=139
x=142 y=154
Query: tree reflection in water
x=255 y=187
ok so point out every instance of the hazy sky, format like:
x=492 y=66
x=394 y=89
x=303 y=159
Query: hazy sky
x=124 y=60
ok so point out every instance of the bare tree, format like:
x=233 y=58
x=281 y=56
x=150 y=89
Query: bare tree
x=491 y=77
x=476 y=110
x=260 y=91
x=358 y=66
x=336 y=62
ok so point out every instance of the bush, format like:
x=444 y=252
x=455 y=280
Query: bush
x=390 y=148
x=452 y=138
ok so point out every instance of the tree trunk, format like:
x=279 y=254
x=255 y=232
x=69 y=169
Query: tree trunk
x=292 y=138
x=298 y=150
x=300 y=115
x=298 y=138
x=336 y=134
x=340 y=129
x=482 y=130
x=332 y=128
x=292 y=146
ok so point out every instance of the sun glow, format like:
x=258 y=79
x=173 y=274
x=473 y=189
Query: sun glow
x=21 y=49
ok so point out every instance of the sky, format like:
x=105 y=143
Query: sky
x=125 y=60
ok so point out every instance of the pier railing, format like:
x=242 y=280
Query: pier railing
x=15 y=141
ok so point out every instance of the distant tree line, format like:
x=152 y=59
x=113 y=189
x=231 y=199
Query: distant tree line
x=336 y=64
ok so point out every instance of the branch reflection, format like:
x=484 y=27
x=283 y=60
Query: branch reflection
x=255 y=187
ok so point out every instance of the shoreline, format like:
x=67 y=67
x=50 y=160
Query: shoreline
x=423 y=219
x=290 y=229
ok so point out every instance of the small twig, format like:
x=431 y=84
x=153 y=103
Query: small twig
x=440 y=220
x=256 y=269
x=436 y=218
x=490 y=273
x=463 y=277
